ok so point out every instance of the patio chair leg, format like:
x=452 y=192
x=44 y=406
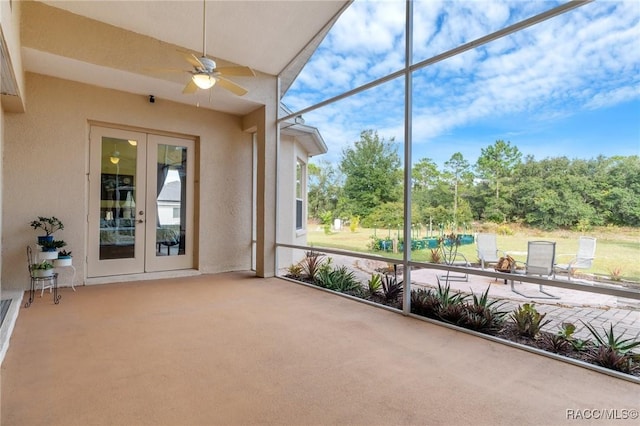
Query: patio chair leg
x=548 y=295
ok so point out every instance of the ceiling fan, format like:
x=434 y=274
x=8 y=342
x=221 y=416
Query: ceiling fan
x=205 y=74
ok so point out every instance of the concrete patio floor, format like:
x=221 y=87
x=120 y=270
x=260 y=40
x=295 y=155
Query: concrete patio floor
x=235 y=349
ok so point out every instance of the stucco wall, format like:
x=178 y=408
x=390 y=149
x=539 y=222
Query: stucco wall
x=288 y=154
x=1 y=189
x=48 y=147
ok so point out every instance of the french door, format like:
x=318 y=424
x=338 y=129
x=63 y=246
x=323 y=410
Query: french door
x=141 y=216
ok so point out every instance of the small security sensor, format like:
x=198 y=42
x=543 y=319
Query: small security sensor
x=152 y=99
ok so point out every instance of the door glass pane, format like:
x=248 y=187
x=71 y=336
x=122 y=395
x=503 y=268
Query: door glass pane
x=171 y=200
x=118 y=198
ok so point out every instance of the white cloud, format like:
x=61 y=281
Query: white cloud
x=586 y=59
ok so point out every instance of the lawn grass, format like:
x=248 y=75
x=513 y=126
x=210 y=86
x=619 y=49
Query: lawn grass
x=617 y=248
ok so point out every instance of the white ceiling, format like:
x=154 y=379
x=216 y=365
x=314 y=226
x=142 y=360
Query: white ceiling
x=272 y=37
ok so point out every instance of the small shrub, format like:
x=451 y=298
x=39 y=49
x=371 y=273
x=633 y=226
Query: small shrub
x=435 y=256
x=344 y=280
x=392 y=288
x=610 y=340
x=295 y=270
x=425 y=302
x=609 y=358
x=556 y=343
x=311 y=263
x=528 y=320
x=446 y=297
x=450 y=305
x=616 y=273
x=504 y=229
x=326 y=217
x=339 y=279
x=583 y=225
x=327 y=229
x=484 y=315
x=566 y=332
x=613 y=352
x=374 y=285
x=354 y=223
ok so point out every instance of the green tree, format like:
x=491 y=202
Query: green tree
x=497 y=163
x=324 y=188
x=424 y=175
x=457 y=171
x=372 y=174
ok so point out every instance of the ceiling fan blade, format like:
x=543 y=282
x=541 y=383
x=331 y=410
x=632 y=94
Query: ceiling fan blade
x=194 y=60
x=231 y=86
x=237 y=71
x=163 y=70
x=190 y=88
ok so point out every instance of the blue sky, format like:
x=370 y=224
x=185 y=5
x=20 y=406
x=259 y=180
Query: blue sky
x=569 y=86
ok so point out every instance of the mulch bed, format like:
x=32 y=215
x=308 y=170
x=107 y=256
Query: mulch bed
x=510 y=333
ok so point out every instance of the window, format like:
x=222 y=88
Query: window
x=300 y=191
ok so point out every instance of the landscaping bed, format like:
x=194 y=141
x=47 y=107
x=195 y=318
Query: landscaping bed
x=522 y=325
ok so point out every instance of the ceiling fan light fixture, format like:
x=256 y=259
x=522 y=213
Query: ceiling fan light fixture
x=114 y=157
x=203 y=81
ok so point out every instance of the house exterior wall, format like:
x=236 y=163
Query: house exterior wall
x=290 y=152
x=47 y=152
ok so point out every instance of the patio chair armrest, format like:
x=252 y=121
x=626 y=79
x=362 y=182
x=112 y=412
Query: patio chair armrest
x=463 y=262
x=518 y=265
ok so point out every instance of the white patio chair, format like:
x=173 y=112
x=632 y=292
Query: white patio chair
x=582 y=260
x=487 y=248
x=540 y=261
x=451 y=257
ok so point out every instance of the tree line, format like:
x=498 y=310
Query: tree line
x=501 y=186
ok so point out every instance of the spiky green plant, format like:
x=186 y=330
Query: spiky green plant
x=374 y=285
x=323 y=277
x=609 y=358
x=344 y=280
x=528 y=320
x=424 y=302
x=609 y=340
x=483 y=314
x=338 y=279
x=295 y=270
x=556 y=342
x=392 y=289
x=451 y=306
x=446 y=297
x=311 y=263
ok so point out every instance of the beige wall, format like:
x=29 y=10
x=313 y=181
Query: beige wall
x=46 y=162
x=289 y=152
x=1 y=188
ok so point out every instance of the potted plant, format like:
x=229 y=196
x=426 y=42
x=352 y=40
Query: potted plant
x=64 y=259
x=42 y=269
x=49 y=225
x=50 y=249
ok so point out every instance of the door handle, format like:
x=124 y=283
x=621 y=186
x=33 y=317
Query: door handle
x=140 y=221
